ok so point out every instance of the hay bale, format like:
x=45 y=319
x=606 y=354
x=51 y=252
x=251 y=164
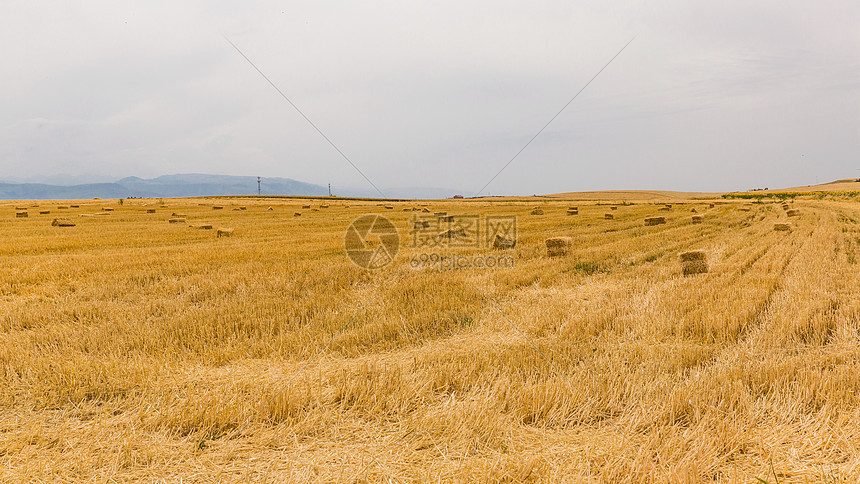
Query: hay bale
x=297 y=214
x=44 y=212
x=306 y=206
x=107 y=209
x=613 y=208
x=150 y=210
x=502 y=243
x=21 y=215
x=608 y=216
x=270 y=209
x=243 y=208
x=440 y=214
x=315 y=210
x=62 y=207
x=178 y=215
x=224 y=232
x=655 y=220
x=20 y=208
x=710 y=205
x=573 y=212
x=693 y=262
x=75 y=206
x=204 y=227
x=447 y=219
x=176 y=220
x=576 y=209
x=217 y=207
x=693 y=211
x=664 y=209
x=782 y=227
x=744 y=209
x=425 y=210
x=389 y=207
x=421 y=224
x=62 y=222
x=697 y=219
x=558 y=246
x=537 y=211
x=793 y=212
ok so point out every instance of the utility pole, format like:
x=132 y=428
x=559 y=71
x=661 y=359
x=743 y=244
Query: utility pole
x=329 y=189
x=258 y=186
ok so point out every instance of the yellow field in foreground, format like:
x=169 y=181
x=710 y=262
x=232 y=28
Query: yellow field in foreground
x=136 y=349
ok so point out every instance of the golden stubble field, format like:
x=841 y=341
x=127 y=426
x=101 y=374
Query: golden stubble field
x=133 y=349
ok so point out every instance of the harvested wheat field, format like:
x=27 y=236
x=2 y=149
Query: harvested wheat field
x=135 y=350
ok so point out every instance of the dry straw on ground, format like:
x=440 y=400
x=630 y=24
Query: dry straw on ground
x=133 y=352
x=537 y=211
x=558 y=246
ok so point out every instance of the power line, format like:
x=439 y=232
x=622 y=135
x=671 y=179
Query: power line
x=553 y=118
x=303 y=115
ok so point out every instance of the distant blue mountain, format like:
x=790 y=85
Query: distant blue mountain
x=185 y=185
x=196 y=185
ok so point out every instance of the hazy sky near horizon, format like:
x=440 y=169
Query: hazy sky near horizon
x=710 y=96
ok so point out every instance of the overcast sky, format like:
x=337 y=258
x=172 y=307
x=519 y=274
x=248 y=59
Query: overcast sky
x=709 y=96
